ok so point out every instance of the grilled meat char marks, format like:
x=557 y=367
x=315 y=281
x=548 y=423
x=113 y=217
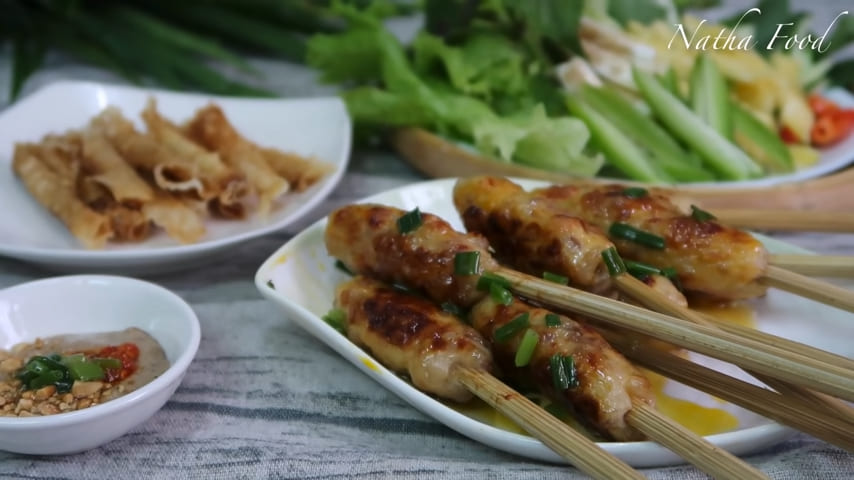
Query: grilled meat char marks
x=367 y=240
x=608 y=384
x=411 y=335
x=712 y=260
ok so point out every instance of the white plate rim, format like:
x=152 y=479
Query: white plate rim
x=639 y=454
x=114 y=258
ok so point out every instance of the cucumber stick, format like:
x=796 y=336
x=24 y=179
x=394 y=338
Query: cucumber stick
x=761 y=142
x=710 y=95
x=619 y=149
x=730 y=162
x=641 y=129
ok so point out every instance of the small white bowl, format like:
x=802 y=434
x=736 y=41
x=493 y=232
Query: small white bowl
x=82 y=304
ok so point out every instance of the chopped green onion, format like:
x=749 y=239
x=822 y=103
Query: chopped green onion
x=344 y=268
x=451 y=308
x=409 y=222
x=500 y=294
x=270 y=284
x=506 y=331
x=467 y=263
x=613 y=261
x=673 y=276
x=564 y=375
x=526 y=348
x=553 y=277
x=640 y=270
x=86 y=371
x=628 y=232
x=552 y=320
x=337 y=319
x=487 y=279
x=701 y=215
x=635 y=192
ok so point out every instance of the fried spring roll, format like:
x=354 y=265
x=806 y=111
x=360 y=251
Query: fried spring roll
x=212 y=129
x=104 y=164
x=300 y=172
x=411 y=335
x=58 y=195
x=179 y=219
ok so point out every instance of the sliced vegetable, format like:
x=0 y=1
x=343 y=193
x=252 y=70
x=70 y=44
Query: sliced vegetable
x=564 y=375
x=617 y=147
x=726 y=159
x=664 y=150
x=760 y=142
x=552 y=320
x=487 y=279
x=337 y=319
x=500 y=294
x=710 y=95
x=640 y=270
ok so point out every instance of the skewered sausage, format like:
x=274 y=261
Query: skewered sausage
x=607 y=384
x=528 y=233
x=409 y=334
x=711 y=259
x=368 y=240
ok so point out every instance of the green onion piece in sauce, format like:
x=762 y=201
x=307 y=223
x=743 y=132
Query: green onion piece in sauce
x=635 y=192
x=640 y=270
x=553 y=277
x=564 y=375
x=552 y=320
x=628 y=232
x=500 y=294
x=337 y=319
x=487 y=279
x=701 y=215
x=409 y=221
x=467 y=263
x=511 y=328
x=613 y=261
x=341 y=266
x=526 y=348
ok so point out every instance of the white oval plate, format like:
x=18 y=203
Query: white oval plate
x=305 y=277
x=318 y=127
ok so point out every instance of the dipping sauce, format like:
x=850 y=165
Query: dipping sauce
x=128 y=360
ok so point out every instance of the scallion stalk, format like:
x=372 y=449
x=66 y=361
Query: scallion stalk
x=636 y=235
x=526 y=348
x=555 y=278
x=511 y=328
x=467 y=263
x=613 y=261
x=409 y=221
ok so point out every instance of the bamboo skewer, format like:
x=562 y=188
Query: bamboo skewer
x=809 y=287
x=778 y=407
x=711 y=459
x=786 y=220
x=560 y=437
x=811 y=400
x=760 y=357
x=816 y=265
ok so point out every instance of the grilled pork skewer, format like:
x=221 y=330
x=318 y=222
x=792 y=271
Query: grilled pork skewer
x=711 y=259
x=411 y=335
x=445 y=357
x=532 y=236
x=425 y=245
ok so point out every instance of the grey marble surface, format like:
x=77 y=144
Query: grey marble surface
x=264 y=399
